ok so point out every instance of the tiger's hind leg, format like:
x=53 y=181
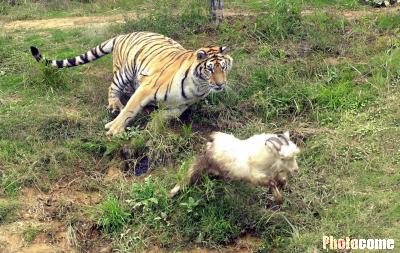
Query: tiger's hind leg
x=114 y=102
x=121 y=79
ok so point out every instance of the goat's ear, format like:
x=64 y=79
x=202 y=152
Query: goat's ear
x=201 y=54
x=286 y=134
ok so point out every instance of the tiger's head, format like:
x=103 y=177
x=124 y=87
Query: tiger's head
x=213 y=63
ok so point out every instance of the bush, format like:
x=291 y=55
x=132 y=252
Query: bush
x=282 y=20
x=187 y=22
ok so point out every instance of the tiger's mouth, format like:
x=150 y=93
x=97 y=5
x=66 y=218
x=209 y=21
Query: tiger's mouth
x=217 y=88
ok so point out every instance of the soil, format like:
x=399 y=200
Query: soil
x=68 y=22
x=357 y=14
x=48 y=213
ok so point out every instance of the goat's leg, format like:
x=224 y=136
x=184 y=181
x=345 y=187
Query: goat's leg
x=275 y=192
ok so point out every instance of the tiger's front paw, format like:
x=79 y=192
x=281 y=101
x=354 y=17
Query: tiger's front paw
x=108 y=125
x=114 y=128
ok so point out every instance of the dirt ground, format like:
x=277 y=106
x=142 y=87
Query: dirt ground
x=48 y=213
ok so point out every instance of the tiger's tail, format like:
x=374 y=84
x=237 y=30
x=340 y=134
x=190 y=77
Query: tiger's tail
x=95 y=53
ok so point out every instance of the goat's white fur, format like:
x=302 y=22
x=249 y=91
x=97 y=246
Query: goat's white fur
x=264 y=160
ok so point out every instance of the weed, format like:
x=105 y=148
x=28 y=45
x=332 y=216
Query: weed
x=111 y=215
x=388 y=22
x=29 y=234
x=187 y=132
x=10 y=183
x=187 y=22
x=8 y=211
x=282 y=21
x=49 y=78
x=321 y=31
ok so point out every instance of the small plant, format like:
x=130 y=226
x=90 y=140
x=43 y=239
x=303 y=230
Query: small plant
x=10 y=183
x=49 y=77
x=112 y=215
x=190 y=204
x=282 y=20
x=8 y=212
x=30 y=233
x=163 y=21
x=95 y=148
x=187 y=132
x=149 y=197
x=321 y=32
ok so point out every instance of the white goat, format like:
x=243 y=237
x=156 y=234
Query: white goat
x=263 y=160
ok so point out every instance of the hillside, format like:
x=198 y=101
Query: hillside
x=327 y=71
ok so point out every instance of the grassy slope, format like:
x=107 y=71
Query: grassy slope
x=62 y=8
x=333 y=83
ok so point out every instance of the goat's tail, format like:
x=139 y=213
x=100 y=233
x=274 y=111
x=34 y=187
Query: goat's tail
x=194 y=174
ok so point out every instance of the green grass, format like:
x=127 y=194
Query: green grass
x=8 y=211
x=63 y=8
x=21 y=10
x=343 y=4
x=333 y=82
x=111 y=215
x=30 y=233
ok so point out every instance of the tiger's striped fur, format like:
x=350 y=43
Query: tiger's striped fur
x=152 y=68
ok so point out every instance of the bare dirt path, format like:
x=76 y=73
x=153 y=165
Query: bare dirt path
x=69 y=22
x=357 y=14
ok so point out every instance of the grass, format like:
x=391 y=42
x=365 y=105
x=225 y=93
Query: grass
x=30 y=233
x=333 y=82
x=111 y=215
x=18 y=9
x=8 y=211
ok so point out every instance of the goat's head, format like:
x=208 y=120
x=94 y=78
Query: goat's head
x=285 y=152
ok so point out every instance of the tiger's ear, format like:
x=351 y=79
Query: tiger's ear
x=201 y=54
x=223 y=50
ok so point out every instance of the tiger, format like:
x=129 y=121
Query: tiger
x=150 y=68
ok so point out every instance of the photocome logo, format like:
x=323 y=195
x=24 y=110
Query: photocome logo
x=328 y=242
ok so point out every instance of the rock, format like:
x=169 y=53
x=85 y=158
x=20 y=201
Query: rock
x=134 y=161
x=142 y=166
